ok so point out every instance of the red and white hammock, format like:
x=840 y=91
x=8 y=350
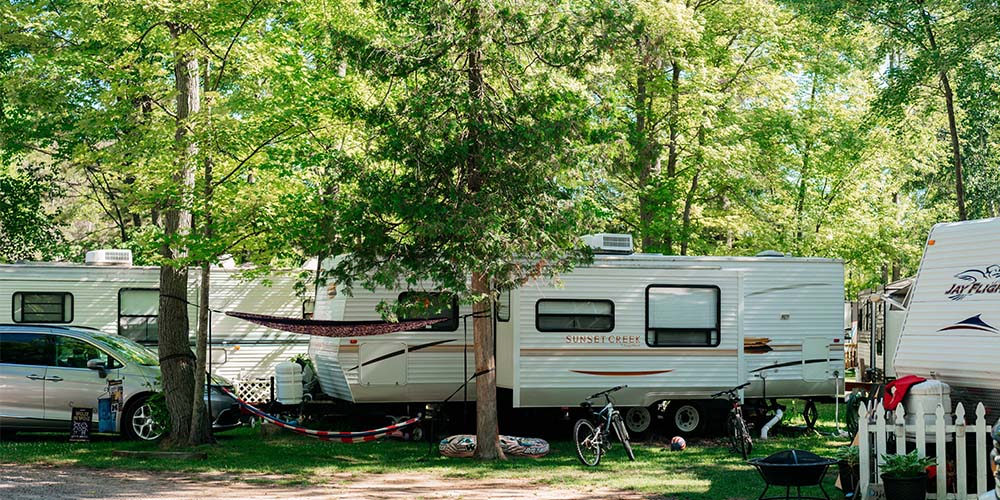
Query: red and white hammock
x=343 y=437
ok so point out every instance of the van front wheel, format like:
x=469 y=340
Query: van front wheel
x=138 y=423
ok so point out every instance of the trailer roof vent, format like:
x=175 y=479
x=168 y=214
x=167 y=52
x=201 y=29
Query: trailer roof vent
x=109 y=258
x=771 y=253
x=609 y=243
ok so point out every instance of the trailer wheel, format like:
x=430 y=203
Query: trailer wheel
x=686 y=417
x=638 y=420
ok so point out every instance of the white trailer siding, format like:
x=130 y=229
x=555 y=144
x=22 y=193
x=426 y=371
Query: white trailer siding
x=555 y=369
x=952 y=327
x=791 y=307
x=423 y=365
x=240 y=350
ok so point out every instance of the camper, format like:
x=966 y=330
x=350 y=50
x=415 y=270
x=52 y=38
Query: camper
x=110 y=294
x=951 y=331
x=880 y=312
x=673 y=329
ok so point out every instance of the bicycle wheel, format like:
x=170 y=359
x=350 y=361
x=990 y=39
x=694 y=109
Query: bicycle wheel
x=622 y=432
x=744 y=443
x=588 y=442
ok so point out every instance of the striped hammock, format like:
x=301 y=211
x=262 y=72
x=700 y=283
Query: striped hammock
x=327 y=328
x=343 y=437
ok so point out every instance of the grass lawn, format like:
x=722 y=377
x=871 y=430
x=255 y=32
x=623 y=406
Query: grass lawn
x=706 y=470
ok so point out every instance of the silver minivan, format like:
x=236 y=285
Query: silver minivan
x=46 y=371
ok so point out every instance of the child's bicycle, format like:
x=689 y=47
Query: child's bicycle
x=592 y=440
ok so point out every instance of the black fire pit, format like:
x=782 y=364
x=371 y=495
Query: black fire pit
x=792 y=468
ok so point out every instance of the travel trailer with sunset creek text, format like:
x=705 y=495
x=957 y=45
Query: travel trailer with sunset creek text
x=110 y=294
x=952 y=327
x=672 y=328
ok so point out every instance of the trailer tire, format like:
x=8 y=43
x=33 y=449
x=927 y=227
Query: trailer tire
x=687 y=417
x=638 y=421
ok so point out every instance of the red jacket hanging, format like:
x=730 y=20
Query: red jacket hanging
x=896 y=390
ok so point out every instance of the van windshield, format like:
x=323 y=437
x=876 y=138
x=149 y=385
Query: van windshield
x=128 y=348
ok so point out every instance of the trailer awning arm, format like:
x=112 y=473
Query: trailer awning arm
x=325 y=328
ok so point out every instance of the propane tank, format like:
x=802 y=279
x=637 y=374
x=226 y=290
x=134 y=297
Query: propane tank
x=288 y=383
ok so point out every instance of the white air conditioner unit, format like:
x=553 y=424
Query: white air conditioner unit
x=109 y=258
x=609 y=243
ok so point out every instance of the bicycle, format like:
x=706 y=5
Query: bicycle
x=736 y=427
x=593 y=441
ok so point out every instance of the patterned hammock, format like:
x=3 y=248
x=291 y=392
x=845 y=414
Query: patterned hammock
x=343 y=437
x=326 y=328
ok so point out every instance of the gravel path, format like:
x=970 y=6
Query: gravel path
x=23 y=482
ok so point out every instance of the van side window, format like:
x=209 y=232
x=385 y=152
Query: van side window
x=75 y=353
x=138 y=314
x=43 y=307
x=571 y=315
x=25 y=349
x=429 y=305
x=682 y=316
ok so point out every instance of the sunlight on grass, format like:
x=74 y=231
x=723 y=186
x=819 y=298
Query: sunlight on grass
x=706 y=470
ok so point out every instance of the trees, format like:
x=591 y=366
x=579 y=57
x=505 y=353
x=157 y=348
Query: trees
x=461 y=188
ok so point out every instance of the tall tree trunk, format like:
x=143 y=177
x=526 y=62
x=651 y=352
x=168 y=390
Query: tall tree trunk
x=177 y=362
x=200 y=431
x=949 y=100
x=673 y=150
x=640 y=144
x=487 y=427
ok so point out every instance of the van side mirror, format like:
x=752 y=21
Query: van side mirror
x=98 y=364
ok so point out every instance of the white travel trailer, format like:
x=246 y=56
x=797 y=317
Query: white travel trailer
x=952 y=327
x=110 y=294
x=671 y=328
x=880 y=314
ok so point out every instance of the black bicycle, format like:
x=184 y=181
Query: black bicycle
x=592 y=440
x=736 y=427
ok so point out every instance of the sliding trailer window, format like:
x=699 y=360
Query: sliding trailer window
x=139 y=315
x=682 y=316
x=573 y=315
x=43 y=307
x=430 y=305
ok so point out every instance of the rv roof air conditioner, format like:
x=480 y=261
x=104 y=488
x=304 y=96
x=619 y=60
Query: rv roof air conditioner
x=109 y=258
x=609 y=243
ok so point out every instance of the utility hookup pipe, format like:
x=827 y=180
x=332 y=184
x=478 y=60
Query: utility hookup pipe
x=774 y=421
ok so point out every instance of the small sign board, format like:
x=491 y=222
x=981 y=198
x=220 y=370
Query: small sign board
x=80 y=430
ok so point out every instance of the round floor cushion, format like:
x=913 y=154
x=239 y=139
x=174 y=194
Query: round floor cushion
x=464 y=446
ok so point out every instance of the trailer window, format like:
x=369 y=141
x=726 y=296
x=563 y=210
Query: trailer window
x=566 y=315
x=138 y=314
x=682 y=316
x=429 y=305
x=43 y=307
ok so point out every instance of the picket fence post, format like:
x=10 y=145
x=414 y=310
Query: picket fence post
x=881 y=440
x=981 y=449
x=961 y=465
x=864 y=449
x=941 y=455
x=900 y=422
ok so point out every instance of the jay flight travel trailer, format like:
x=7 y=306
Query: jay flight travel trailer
x=952 y=327
x=672 y=328
x=110 y=294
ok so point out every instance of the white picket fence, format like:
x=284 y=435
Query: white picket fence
x=874 y=436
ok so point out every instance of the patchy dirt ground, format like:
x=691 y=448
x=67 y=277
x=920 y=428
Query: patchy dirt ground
x=22 y=482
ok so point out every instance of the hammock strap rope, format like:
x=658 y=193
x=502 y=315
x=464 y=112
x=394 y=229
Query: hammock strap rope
x=343 y=437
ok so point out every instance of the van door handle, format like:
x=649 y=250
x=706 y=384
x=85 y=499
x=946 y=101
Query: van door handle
x=55 y=379
x=35 y=377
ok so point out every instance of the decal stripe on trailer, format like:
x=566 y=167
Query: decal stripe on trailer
x=621 y=374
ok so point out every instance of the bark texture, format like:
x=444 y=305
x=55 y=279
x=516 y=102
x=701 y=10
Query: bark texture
x=177 y=362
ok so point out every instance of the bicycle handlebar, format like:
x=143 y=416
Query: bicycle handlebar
x=730 y=391
x=609 y=391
